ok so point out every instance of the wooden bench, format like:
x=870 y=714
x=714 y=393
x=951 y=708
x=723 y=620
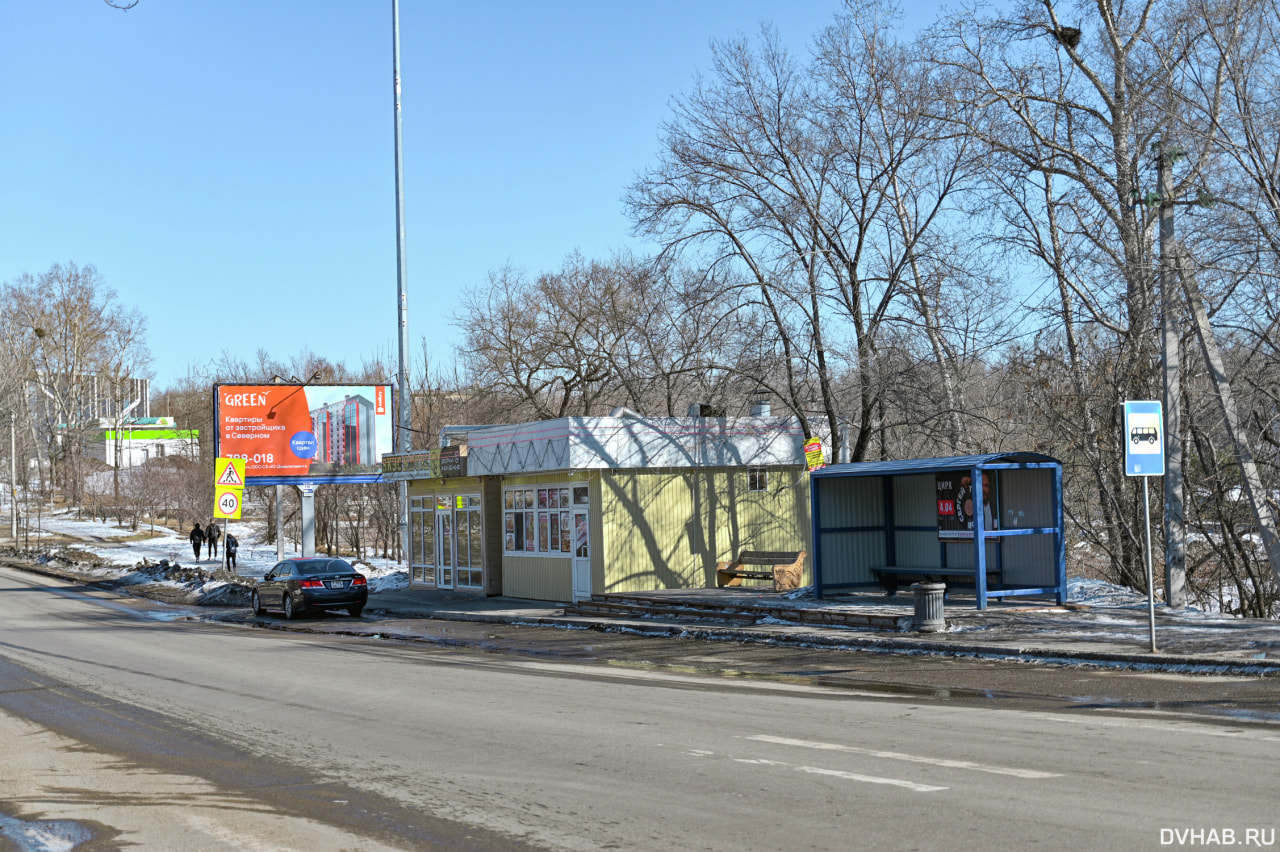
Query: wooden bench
x=888 y=576
x=782 y=567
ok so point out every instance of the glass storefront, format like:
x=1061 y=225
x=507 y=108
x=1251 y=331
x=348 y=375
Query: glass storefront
x=447 y=535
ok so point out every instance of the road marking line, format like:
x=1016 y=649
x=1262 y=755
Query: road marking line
x=913 y=758
x=848 y=776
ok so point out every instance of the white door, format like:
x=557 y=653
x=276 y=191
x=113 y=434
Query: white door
x=444 y=551
x=581 y=554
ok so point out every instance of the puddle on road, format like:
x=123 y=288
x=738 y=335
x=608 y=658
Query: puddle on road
x=1241 y=714
x=56 y=835
x=824 y=680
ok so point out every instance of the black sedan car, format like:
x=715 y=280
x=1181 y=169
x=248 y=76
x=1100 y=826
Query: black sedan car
x=311 y=582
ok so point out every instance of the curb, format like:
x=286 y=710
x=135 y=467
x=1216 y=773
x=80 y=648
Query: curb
x=1023 y=654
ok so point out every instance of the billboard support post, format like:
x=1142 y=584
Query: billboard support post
x=308 y=492
x=279 y=523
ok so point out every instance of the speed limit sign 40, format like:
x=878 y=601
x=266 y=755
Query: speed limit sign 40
x=227 y=503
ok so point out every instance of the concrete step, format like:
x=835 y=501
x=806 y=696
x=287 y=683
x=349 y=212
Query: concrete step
x=636 y=610
x=634 y=605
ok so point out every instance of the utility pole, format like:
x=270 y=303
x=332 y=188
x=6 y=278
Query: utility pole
x=13 y=481
x=405 y=442
x=1175 y=557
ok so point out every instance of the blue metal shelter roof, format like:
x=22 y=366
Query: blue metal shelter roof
x=909 y=466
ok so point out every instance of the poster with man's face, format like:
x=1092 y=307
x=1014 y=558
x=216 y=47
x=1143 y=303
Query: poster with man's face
x=956 y=507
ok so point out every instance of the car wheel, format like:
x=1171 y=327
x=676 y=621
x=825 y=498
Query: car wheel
x=355 y=611
x=289 y=612
x=257 y=605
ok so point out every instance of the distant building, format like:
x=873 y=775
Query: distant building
x=143 y=439
x=344 y=432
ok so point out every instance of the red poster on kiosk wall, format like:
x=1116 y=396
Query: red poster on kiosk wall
x=304 y=432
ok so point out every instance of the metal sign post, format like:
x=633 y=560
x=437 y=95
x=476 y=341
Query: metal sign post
x=1144 y=457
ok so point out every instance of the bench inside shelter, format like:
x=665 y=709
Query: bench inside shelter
x=891 y=578
x=782 y=568
x=878 y=525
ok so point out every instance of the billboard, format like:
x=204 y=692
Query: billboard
x=304 y=433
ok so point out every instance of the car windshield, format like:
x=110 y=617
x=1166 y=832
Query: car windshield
x=324 y=566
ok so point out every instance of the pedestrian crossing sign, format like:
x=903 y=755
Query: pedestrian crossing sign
x=229 y=473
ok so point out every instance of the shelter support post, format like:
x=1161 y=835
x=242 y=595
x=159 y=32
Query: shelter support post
x=979 y=538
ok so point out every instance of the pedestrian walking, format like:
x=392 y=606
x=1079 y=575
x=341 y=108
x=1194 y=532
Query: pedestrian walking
x=211 y=536
x=197 y=540
x=232 y=547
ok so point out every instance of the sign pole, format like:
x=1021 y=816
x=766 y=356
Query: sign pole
x=1151 y=586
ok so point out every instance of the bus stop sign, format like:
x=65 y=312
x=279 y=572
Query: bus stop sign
x=1143 y=438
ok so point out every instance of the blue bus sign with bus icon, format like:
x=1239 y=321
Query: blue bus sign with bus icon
x=1143 y=438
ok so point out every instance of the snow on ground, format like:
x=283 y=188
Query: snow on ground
x=254 y=558
x=120 y=559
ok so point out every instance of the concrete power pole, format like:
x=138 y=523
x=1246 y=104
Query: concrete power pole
x=1175 y=557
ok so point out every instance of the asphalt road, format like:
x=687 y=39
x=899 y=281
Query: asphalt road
x=126 y=723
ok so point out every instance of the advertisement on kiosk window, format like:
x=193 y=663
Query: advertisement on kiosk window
x=304 y=433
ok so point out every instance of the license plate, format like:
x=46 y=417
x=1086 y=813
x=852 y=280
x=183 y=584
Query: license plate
x=337 y=584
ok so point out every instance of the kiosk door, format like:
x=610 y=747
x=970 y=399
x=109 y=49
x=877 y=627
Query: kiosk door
x=581 y=553
x=444 y=545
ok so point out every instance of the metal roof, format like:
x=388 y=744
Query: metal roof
x=581 y=443
x=909 y=466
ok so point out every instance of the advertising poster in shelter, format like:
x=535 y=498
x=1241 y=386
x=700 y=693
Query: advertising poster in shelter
x=956 y=508
x=304 y=433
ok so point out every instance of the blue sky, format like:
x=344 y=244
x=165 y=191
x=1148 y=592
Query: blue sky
x=228 y=166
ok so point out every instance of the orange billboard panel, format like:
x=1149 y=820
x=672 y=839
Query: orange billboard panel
x=293 y=433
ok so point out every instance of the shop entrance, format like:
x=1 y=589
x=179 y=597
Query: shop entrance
x=581 y=553
x=448 y=537
x=444 y=548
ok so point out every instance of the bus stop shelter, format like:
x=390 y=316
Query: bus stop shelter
x=994 y=521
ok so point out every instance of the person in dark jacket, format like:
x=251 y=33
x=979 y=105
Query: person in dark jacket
x=197 y=540
x=232 y=547
x=211 y=536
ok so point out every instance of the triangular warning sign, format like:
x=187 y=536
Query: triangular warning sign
x=230 y=476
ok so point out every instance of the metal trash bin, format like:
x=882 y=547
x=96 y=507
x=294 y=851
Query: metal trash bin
x=928 y=600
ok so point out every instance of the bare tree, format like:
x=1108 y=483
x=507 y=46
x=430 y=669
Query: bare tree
x=817 y=189
x=1067 y=101
x=80 y=345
